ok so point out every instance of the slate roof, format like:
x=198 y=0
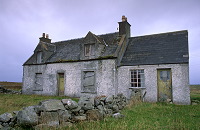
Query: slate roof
x=163 y=48
x=69 y=50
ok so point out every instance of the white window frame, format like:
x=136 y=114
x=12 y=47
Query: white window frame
x=135 y=80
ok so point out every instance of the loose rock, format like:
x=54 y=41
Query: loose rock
x=5 y=117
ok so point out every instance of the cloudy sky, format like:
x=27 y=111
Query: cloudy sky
x=22 y=22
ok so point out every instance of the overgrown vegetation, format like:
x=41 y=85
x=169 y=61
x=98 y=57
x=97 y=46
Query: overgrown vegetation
x=138 y=115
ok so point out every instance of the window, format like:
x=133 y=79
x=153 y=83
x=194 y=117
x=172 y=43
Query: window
x=38 y=82
x=137 y=78
x=164 y=75
x=88 y=81
x=89 y=49
x=39 y=57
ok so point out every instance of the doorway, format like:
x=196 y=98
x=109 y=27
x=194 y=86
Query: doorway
x=164 y=82
x=61 y=88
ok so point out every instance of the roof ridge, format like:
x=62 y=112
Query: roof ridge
x=107 y=33
x=83 y=37
x=156 y=34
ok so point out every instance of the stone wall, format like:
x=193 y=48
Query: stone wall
x=55 y=113
x=8 y=91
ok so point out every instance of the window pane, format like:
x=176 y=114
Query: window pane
x=139 y=80
x=132 y=80
x=134 y=84
x=131 y=76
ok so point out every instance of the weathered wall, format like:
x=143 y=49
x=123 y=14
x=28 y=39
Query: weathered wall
x=104 y=77
x=180 y=81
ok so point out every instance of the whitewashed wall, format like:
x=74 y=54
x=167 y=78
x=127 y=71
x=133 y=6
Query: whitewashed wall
x=180 y=81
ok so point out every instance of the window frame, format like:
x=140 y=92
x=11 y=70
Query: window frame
x=91 y=47
x=39 y=57
x=37 y=83
x=82 y=82
x=137 y=80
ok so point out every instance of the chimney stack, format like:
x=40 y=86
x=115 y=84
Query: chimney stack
x=124 y=27
x=45 y=39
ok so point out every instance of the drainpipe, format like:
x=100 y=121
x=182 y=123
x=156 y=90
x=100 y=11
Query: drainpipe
x=114 y=84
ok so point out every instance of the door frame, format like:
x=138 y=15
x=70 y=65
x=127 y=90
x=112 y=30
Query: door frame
x=58 y=84
x=157 y=70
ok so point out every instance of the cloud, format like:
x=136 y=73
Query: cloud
x=23 y=21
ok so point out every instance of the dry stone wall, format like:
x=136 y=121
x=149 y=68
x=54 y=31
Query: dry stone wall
x=8 y=91
x=55 y=113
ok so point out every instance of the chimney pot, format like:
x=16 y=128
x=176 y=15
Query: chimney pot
x=124 y=18
x=47 y=36
x=43 y=34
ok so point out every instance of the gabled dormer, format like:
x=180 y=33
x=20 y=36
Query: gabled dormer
x=92 y=47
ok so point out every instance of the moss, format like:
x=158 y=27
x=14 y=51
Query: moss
x=105 y=57
x=99 y=58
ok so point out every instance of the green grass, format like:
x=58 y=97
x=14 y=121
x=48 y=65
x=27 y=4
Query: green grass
x=195 y=92
x=14 y=102
x=149 y=116
x=138 y=115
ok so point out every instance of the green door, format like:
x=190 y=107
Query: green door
x=164 y=80
x=61 y=84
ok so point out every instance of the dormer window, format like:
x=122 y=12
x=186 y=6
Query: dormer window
x=89 y=49
x=39 y=57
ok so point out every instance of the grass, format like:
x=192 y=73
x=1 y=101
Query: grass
x=14 y=102
x=138 y=115
x=195 y=92
x=148 y=116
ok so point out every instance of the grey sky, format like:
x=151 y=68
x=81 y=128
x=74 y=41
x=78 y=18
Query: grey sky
x=22 y=22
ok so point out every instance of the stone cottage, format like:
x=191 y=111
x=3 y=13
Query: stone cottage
x=155 y=67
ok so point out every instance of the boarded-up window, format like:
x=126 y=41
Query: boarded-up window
x=137 y=78
x=39 y=57
x=88 y=81
x=89 y=49
x=38 y=82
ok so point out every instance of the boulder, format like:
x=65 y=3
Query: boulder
x=103 y=98
x=27 y=117
x=109 y=99
x=51 y=105
x=115 y=108
x=81 y=112
x=94 y=114
x=64 y=116
x=86 y=103
x=109 y=112
x=69 y=104
x=5 y=117
x=46 y=117
x=76 y=109
x=79 y=118
x=96 y=101
x=118 y=115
